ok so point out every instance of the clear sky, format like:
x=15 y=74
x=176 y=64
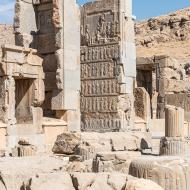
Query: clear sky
x=142 y=9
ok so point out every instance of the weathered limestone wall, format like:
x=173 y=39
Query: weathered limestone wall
x=167 y=81
x=6 y=36
x=22 y=94
x=163 y=60
x=54 y=31
x=108 y=65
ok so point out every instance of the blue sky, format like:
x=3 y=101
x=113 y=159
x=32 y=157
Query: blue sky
x=142 y=9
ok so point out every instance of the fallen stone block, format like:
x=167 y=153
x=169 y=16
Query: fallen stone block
x=114 y=161
x=66 y=143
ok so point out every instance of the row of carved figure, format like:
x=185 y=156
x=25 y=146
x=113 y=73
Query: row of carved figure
x=100 y=87
x=100 y=53
x=98 y=70
x=99 y=104
x=101 y=124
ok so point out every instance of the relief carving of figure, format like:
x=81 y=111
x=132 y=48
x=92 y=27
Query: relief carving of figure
x=88 y=70
x=116 y=27
x=108 y=87
x=101 y=105
x=93 y=54
x=89 y=54
x=93 y=87
x=103 y=87
x=102 y=25
x=93 y=105
x=82 y=71
x=108 y=52
x=98 y=36
x=113 y=86
x=106 y=104
x=112 y=30
x=82 y=55
x=101 y=53
x=104 y=70
x=97 y=104
x=111 y=69
x=96 y=54
x=86 y=55
x=108 y=30
x=87 y=35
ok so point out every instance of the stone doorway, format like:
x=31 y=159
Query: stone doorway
x=144 y=79
x=23 y=100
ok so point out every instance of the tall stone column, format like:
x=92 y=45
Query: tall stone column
x=174 y=142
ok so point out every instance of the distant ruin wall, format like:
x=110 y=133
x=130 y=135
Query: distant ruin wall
x=6 y=35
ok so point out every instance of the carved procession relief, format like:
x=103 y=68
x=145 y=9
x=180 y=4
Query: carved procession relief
x=99 y=53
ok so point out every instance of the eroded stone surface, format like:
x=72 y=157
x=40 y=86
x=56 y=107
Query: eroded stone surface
x=66 y=143
x=173 y=172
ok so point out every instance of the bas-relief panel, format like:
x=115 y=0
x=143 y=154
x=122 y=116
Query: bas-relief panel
x=46 y=31
x=100 y=28
x=100 y=52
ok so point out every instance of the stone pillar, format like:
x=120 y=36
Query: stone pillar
x=174 y=143
x=174 y=118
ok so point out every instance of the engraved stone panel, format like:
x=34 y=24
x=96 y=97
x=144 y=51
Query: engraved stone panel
x=102 y=69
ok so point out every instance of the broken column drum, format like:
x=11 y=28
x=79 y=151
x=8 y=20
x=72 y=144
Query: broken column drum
x=174 y=142
x=174 y=126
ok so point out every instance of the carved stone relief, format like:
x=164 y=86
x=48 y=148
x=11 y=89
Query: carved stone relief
x=100 y=55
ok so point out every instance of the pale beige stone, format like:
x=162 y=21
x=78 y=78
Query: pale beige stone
x=142 y=184
x=66 y=143
x=169 y=169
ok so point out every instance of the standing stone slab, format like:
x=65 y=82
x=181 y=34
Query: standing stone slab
x=104 y=80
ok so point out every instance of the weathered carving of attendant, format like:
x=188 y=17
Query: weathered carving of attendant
x=108 y=30
x=116 y=27
x=87 y=35
x=98 y=37
x=94 y=70
x=102 y=24
x=112 y=30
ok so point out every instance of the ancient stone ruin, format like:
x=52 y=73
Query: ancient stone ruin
x=81 y=109
x=106 y=82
